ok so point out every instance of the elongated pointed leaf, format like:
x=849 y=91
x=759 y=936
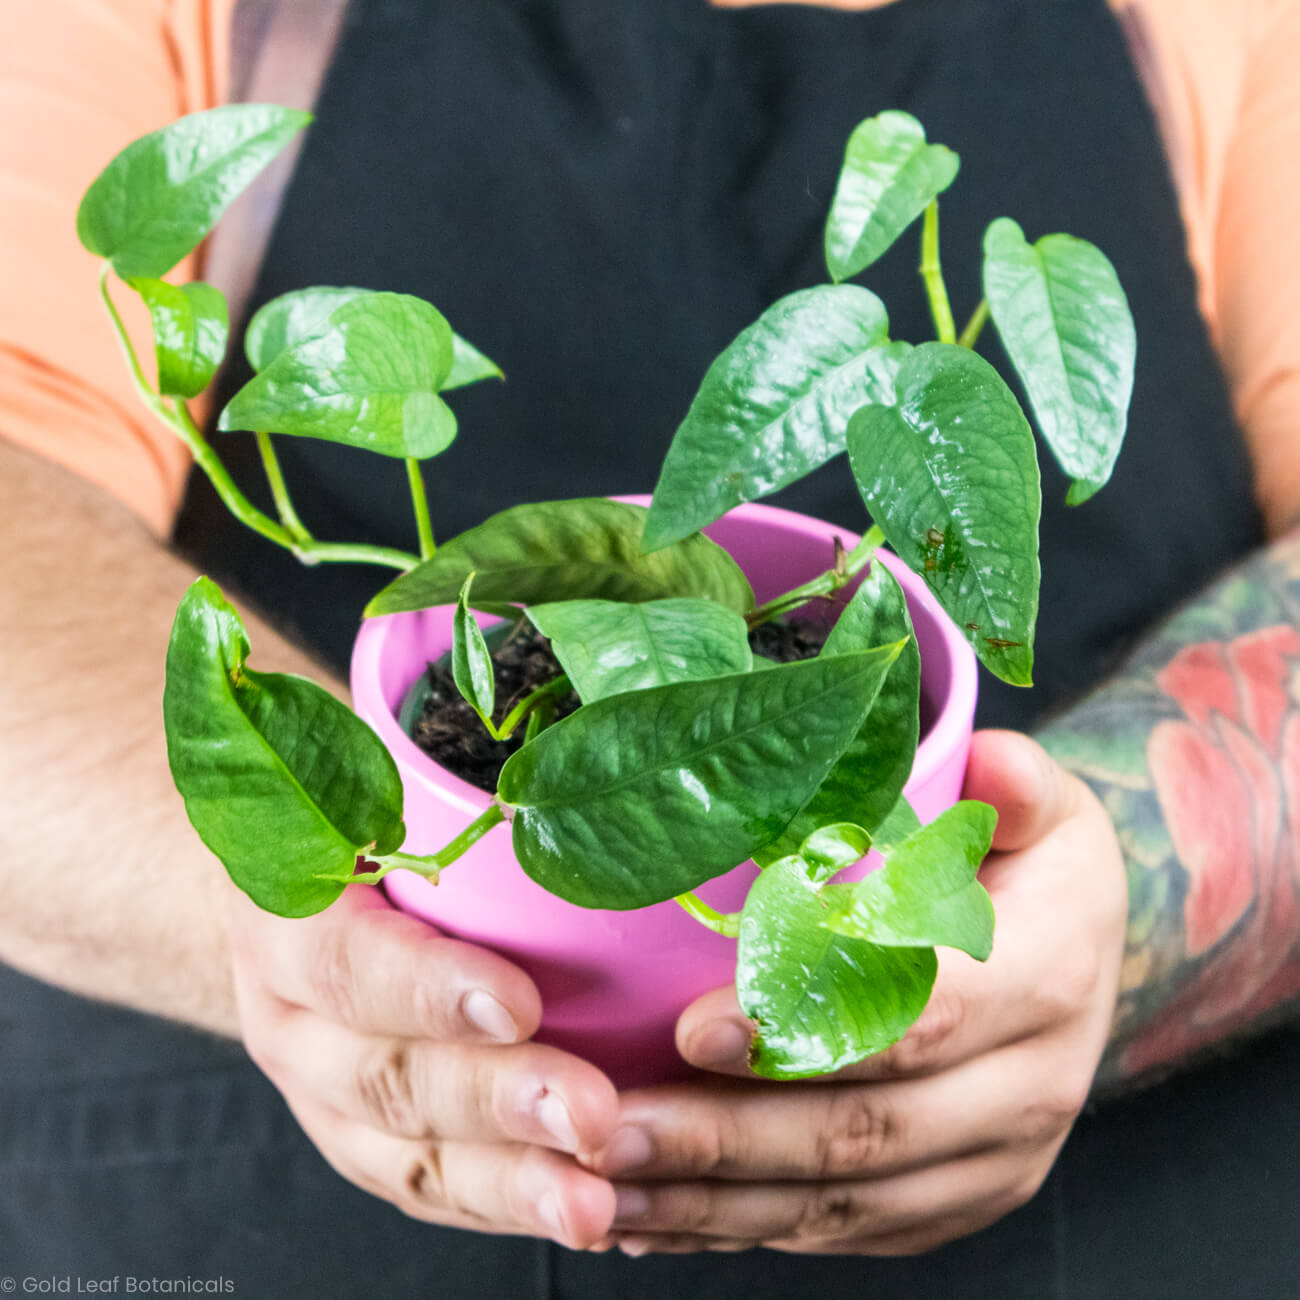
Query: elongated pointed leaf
x=471 y=664
x=587 y=548
x=370 y=381
x=889 y=177
x=608 y=647
x=829 y=849
x=951 y=477
x=822 y=1001
x=926 y=893
x=774 y=405
x=280 y=779
x=635 y=799
x=190 y=327
x=898 y=824
x=1066 y=326
x=161 y=195
x=305 y=314
x=868 y=779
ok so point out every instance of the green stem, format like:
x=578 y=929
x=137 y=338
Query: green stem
x=430 y=865
x=979 y=318
x=932 y=274
x=280 y=490
x=824 y=584
x=725 y=924
x=423 y=524
x=556 y=686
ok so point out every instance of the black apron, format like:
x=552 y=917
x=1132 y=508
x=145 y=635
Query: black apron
x=600 y=194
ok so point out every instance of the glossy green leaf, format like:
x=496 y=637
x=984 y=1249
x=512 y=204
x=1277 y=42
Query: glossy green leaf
x=161 y=195
x=586 y=548
x=829 y=849
x=821 y=1000
x=951 y=477
x=637 y=798
x=280 y=779
x=897 y=825
x=926 y=893
x=889 y=176
x=190 y=328
x=370 y=381
x=774 y=406
x=1066 y=325
x=608 y=647
x=869 y=777
x=304 y=314
x=471 y=664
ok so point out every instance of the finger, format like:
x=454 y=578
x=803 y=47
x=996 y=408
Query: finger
x=363 y=964
x=678 y=1243
x=1031 y=791
x=419 y=1089
x=1020 y=1097
x=483 y=1187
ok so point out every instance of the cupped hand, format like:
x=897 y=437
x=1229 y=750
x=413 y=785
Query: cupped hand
x=403 y=1055
x=948 y=1130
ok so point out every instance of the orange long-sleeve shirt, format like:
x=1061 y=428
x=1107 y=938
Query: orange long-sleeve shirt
x=81 y=78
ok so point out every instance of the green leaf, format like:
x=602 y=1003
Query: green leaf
x=821 y=1001
x=190 y=327
x=637 y=798
x=888 y=179
x=926 y=893
x=869 y=777
x=305 y=314
x=281 y=780
x=774 y=406
x=587 y=548
x=829 y=849
x=161 y=195
x=899 y=823
x=950 y=475
x=370 y=381
x=1066 y=326
x=608 y=647
x=471 y=664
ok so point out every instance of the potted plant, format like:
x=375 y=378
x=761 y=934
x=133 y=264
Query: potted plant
x=692 y=778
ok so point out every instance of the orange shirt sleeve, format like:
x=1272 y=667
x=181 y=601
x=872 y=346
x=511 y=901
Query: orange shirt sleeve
x=79 y=79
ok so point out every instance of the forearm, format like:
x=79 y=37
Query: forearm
x=104 y=887
x=1194 y=750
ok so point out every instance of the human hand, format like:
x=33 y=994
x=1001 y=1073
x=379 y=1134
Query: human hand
x=948 y=1130
x=401 y=1053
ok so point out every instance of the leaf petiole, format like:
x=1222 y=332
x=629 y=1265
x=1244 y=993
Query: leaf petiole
x=726 y=924
x=979 y=318
x=555 y=687
x=824 y=584
x=932 y=274
x=420 y=503
x=280 y=491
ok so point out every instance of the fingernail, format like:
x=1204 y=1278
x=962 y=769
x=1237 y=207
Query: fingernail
x=629 y=1148
x=630 y=1203
x=489 y=1017
x=720 y=1043
x=554 y=1117
x=548 y=1211
x=634 y=1246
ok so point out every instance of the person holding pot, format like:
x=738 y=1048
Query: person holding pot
x=603 y=194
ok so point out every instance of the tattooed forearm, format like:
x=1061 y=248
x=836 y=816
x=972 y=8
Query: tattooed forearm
x=1195 y=752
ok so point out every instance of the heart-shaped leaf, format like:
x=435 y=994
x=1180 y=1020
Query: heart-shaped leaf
x=637 y=798
x=951 y=477
x=889 y=177
x=898 y=824
x=1066 y=326
x=869 y=777
x=608 y=647
x=926 y=893
x=471 y=664
x=190 y=328
x=161 y=195
x=821 y=1000
x=774 y=406
x=281 y=780
x=370 y=381
x=586 y=548
x=305 y=314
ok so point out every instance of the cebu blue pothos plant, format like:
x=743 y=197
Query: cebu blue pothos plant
x=684 y=759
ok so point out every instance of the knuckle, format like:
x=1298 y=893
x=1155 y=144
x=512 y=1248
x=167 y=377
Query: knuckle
x=686 y=1208
x=1072 y=986
x=1049 y=1117
x=829 y=1212
x=711 y=1146
x=862 y=1132
x=424 y=1181
x=922 y=1047
x=333 y=980
x=386 y=1088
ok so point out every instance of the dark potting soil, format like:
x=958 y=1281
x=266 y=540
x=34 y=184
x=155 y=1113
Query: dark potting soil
x=449 y=731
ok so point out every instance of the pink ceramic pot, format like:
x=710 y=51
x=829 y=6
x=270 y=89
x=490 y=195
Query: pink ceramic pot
x=613 y=983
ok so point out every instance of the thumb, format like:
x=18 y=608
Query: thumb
x=1031 y=791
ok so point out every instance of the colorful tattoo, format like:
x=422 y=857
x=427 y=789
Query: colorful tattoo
x=1195 y=752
